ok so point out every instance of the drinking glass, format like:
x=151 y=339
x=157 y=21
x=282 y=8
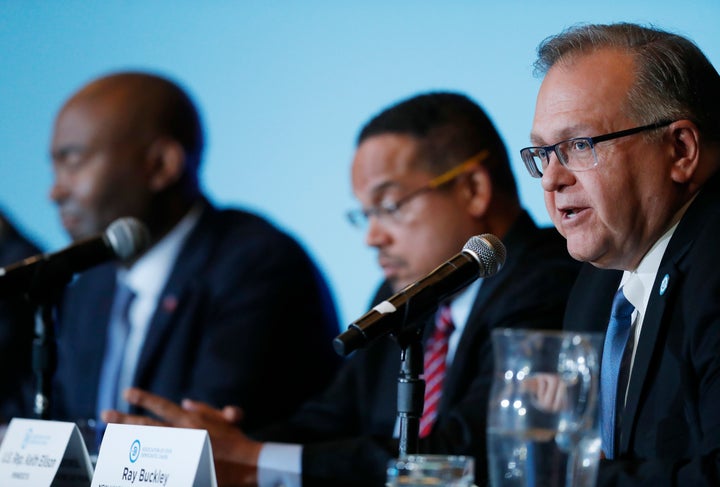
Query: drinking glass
x=424 y=470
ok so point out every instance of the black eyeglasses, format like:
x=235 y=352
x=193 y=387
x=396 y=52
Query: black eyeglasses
x=578 y=153
x=359 y=217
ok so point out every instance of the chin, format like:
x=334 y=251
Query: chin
x=582 y=252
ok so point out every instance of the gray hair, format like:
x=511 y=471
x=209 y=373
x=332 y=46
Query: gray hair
x=674 y=79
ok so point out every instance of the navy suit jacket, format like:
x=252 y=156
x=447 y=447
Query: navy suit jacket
x=348 y=431
x=245 y=319
x=670 y=426
x=16 y=333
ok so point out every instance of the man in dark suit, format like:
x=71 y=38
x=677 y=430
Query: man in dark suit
x=16 y=330
x=224 y=307
x=430 y=172
x=631 y=180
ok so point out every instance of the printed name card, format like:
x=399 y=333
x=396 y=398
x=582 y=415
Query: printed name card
x=152 y=456
x=37 y=453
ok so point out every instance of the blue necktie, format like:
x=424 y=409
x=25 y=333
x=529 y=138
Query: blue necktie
x=615 y=340
x=118 y=330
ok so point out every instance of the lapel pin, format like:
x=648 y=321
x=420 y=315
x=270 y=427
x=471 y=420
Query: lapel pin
x=169 y=303
x=664 y=284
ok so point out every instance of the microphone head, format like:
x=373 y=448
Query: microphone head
x=489 y=251
x=128 y=237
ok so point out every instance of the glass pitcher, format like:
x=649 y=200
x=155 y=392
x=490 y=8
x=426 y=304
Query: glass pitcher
x=543 y=409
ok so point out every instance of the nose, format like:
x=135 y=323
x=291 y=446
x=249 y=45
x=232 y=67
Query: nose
x=59 y=190
x=377 y=234
x=555 y=175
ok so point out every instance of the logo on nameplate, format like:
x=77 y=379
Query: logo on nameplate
x=134 y=451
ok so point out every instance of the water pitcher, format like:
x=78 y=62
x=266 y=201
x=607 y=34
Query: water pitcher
x=543 y=410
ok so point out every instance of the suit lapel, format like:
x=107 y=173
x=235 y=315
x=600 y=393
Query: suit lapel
x=180 y=296
x=666 y=284
x=662 y=288
x=89 y=300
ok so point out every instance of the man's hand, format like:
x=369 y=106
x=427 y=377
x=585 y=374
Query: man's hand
x=235 y=454
x=549 y=392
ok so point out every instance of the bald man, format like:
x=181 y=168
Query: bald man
x=223 y=307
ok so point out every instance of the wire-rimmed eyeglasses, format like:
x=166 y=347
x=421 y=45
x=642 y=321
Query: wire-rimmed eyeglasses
x=359 y=217
x=578 y=153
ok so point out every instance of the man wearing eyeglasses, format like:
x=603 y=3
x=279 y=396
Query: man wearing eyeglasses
x=627 y=146
x=430 y=173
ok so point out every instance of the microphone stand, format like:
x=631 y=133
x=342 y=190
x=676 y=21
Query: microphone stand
x=411 y=393
x=411 y=388
x=44 y=359
x=43 y=294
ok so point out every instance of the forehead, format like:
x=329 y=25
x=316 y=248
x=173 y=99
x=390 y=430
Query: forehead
x=89 y=120
x=584 y=96
x=385 y=160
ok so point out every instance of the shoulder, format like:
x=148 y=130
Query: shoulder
x=240 y=231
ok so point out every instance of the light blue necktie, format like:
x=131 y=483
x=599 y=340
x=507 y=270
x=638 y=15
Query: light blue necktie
x=118 y=330
x=615 y=341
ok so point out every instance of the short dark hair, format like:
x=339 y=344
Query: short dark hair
x=450 y=128
x=674 y=79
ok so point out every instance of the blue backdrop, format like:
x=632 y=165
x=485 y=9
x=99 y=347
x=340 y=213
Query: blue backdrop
x=284 y=87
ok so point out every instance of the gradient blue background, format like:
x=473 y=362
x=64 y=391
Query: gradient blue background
x=283 y=88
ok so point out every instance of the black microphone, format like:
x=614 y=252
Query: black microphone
x=39 y=275
x=482 y=256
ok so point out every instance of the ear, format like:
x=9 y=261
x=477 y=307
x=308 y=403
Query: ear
x=685 y=140
x=166 y=162
x=479 y=190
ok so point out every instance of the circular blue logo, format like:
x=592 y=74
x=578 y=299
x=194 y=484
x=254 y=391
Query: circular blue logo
x=134 y=451
x=664 y=284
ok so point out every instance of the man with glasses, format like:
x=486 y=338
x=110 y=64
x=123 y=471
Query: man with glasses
x=627 y=146
x=430 y=173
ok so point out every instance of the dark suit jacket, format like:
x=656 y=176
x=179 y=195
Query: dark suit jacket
x=16 y=332
x=347 y=432
x=245 y=318
x=670 y=427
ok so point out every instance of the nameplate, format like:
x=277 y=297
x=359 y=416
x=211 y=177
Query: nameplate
x=37 y=453
x=152 y=456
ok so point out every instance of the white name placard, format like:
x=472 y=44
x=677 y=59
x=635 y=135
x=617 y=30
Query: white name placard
x=37 y=453
x=151 y=456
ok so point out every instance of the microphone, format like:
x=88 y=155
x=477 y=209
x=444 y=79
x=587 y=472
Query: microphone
x=39 y=275
x=482 y=256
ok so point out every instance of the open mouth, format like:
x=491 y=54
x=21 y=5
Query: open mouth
x=570 y=213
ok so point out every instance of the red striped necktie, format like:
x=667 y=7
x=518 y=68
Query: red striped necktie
x=435 y=357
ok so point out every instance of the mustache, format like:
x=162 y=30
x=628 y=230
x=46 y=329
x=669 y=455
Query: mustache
x=385 y=259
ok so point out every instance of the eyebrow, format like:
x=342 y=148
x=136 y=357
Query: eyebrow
x=65 y=150
x=578 y=130
x=381 y=188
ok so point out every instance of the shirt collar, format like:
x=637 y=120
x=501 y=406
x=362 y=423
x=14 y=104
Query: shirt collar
x=638 y=283
x=149 y=274
x=461 y=305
